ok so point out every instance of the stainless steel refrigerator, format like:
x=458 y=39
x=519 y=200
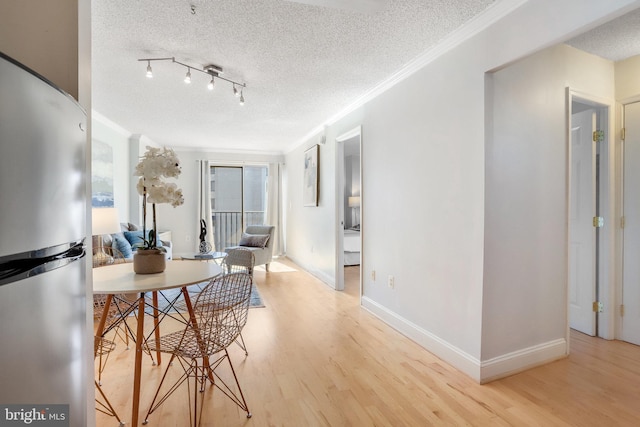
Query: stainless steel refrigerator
x=43 y=328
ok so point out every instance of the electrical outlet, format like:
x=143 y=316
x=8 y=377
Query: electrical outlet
x=391 y=282
x=373 y=275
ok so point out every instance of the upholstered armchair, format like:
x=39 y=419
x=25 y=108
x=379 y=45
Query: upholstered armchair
x=259 y=240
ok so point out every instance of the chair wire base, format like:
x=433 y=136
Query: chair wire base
x=196 y=375
x=103 y=347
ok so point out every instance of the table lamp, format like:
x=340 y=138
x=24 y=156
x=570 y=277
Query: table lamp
x=103 y=221
x=354 y=202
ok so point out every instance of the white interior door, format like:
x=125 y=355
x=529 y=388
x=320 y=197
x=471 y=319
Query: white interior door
x=582 y=244
x=340 y=180
x=630 y=327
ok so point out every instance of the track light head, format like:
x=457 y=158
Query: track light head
x=149 y=70
x=187 y=78
x=241 y=98
x=210 y=85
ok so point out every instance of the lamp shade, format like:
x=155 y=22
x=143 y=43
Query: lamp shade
x=104 y=221
x=354 y=201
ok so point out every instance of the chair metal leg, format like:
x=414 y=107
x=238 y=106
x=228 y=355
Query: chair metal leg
x=223 y=387
x=103 y=348
x=157 y=401
x=243 y=346
x=106 y=407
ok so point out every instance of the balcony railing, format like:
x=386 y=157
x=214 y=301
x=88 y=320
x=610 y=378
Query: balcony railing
x=228 y=228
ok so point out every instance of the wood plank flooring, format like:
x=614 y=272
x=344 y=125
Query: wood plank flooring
x=317 y=359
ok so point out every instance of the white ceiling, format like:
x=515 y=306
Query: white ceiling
x=616 y=40
x=302 y=61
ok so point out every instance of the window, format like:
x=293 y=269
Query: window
x=238 y=199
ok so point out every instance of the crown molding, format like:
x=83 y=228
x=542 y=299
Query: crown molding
x=111 y=124
x=218 y=150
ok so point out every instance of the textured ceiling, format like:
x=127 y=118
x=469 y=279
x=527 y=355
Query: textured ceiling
x=302 y=61
x=616 y=40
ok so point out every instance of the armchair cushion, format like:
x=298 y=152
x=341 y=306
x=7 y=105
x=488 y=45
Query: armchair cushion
x=254 y=240
x=263 y=254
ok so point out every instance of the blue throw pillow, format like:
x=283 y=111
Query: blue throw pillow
x=122 y=244
x=135 y=239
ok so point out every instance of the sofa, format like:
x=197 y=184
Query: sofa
x=130 y=237
x=259 y=240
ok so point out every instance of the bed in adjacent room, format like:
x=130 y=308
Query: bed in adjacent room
x=351 y=247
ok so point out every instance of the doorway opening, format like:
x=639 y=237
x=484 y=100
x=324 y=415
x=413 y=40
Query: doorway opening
x=590 y=281
x=349 y=229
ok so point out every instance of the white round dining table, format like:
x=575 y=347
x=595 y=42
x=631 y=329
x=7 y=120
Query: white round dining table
x=121 y=279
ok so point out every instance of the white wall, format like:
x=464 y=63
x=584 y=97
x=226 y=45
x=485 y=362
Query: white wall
x=137 y=147
x=627 y=78
x=526 y=203
x=423 y=187
x=423 y=154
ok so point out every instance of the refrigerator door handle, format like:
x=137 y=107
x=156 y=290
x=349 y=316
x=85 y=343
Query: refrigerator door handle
x=21 y=266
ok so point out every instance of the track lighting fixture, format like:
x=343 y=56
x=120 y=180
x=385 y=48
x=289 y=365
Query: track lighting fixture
x=213 y=71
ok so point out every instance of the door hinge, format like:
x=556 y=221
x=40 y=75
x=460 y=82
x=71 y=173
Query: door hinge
x=623 y=134
x=622 y=222
x=598 y=135
x=622 y=310
x=598 y=307
x=598 y=221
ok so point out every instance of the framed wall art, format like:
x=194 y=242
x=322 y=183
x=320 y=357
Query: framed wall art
x=101 y=175
x=311 y=176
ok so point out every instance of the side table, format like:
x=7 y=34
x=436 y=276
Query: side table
x=217 y=257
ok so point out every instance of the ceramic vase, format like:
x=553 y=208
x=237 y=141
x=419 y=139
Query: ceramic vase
x=149 y=261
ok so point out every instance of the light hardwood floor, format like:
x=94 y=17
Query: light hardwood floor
x=317 y=359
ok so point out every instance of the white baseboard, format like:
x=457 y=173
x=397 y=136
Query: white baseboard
x=447 y=352
x=518 y=361
x=320 y=275
x=482 y=372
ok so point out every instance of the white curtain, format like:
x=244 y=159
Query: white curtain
x=204 y=202
x=274 y=205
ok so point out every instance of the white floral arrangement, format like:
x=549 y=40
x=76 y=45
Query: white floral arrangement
x=154 y=166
